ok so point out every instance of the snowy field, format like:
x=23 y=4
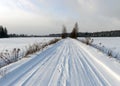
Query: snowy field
x=108 y=45
x=109 y=42
x=10 y=43
x=13 y=49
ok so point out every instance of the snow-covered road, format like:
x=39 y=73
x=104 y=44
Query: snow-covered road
x=67 y=63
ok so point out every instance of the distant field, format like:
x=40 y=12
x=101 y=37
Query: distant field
x=13 y=49
x=10 y=43
x=109 y=42
x=108 y=45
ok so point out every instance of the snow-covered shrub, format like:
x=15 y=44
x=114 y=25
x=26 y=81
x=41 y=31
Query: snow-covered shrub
x=3 y=72
x=87 y=40
x=39 y=46
x=33 y=48
x=9 y=56
x=53 y=41
x=15 y=54
x=107 y=51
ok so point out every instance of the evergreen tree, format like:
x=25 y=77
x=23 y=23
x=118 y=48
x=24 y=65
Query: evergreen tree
x=3 y=32
x=64 y=32
x=74 y=32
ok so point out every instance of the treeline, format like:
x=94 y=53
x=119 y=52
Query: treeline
x=73 y=34
x=115 y=33
x=25 y=35
x=3 y=32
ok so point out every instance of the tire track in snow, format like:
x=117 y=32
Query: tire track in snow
x=59 y=69
x=46 y=71
x=58 y=56
x=20 y=71
x=93 y=76
x=64 y=76
x=74 y=80
x=96 y=75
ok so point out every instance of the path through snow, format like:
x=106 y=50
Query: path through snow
x=67 y=63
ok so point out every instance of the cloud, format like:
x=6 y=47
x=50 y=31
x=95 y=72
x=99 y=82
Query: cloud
x=110 y=8
x=97 y=15
x=24 y=17
x=48 y=16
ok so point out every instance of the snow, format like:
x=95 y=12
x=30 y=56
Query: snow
x=10 y=43
x=108 y=45
x=109 y=42
x=66 y=63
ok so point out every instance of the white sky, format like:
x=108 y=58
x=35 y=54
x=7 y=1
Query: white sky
x=48 y=16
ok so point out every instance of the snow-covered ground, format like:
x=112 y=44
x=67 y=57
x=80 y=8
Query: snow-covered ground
x=108 y=45
x=13 y=49
x=10 y=43
x=67 y=63
x=109 y=42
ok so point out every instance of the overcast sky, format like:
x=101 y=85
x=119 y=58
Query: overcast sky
x=48 y=16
